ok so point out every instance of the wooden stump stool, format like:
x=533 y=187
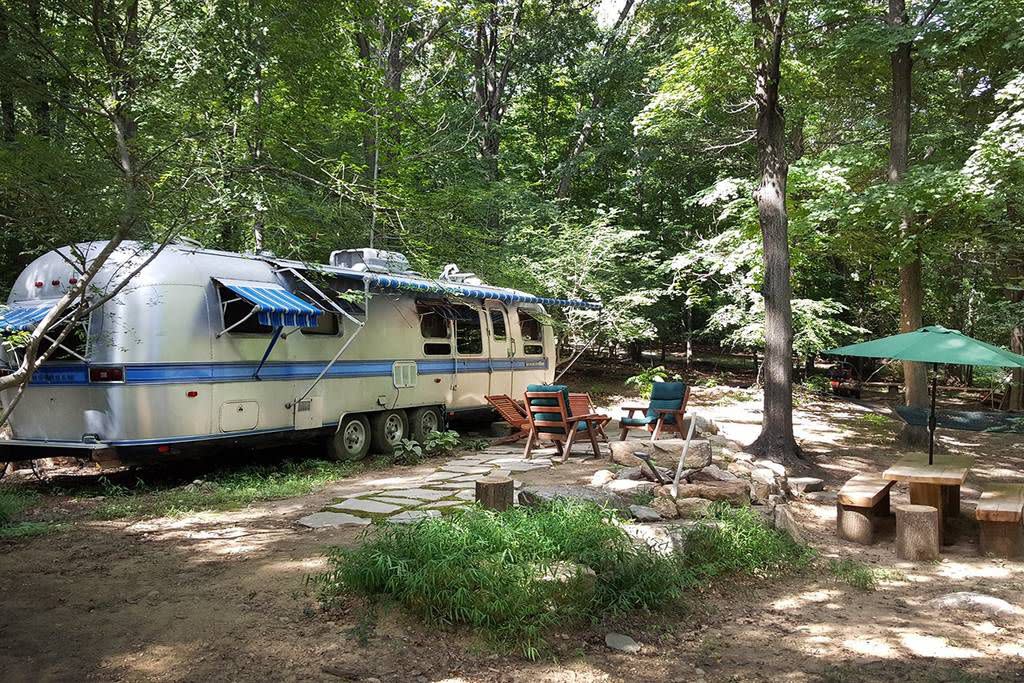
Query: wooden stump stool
x=917 y=532
x=495 y=493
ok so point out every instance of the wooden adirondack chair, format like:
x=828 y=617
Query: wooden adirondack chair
x=581 y=404
x=665 y=411
x=551 y=419
x=512 y=413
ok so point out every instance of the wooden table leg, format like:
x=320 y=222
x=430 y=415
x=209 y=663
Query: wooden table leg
x=932 y=495
x=951 y=501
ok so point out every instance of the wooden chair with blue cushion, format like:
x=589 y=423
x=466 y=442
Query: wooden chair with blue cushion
x=664 y=412
x=551 y=419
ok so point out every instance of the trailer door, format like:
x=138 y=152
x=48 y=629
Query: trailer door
x=500 y=348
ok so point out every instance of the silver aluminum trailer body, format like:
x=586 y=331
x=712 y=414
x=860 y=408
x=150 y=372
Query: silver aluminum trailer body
x=183 y=378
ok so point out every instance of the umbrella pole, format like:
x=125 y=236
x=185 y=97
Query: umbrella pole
x=931 y=417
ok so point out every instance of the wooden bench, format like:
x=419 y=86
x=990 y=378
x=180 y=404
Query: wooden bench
x=860 y=503
x=1000 y=513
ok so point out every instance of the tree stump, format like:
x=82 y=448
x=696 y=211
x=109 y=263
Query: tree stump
x=495 y=493
x=917 y=532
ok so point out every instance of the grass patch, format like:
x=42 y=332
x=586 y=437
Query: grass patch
x=860 y=575
x=223 y=490
x=875 y=421
x=515 y=575
x=14 y=501
x=18 y=530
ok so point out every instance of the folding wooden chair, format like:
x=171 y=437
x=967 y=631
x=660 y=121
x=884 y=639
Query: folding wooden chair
x=665 y=411
x=512 y=413
x=551 y=419
x=581 y=404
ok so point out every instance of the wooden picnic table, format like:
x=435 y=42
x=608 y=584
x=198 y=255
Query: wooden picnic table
x=937 y=485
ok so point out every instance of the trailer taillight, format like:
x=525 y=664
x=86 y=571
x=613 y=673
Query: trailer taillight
x=106 y=374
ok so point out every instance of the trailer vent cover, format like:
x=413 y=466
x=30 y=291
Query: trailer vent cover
x=403 y=374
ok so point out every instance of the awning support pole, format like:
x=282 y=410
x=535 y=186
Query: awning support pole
x=361 y=325
x=266 y=354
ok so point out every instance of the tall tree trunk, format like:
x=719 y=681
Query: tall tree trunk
x=7 y=110
x=1013 y=397
x=915 y=379
x=40 y=104
x=776 y=440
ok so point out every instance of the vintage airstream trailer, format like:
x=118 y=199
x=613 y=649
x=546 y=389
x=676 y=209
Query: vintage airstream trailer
x=206 y=347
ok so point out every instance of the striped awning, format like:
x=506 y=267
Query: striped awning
x=470 y=291
x=23 y=317
x=275 y=305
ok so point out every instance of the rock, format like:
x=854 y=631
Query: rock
x=631 y=473
x=805 y=484
x=739 y=468
x=664 y=452
x=745 y=457
x=784 y=521
x=703 y=426
x=412 y=516
x=726 y=455
x=564 y=572
x=602 y=477
x=719 y=440
x=533 y=495
x=976 y=602
x=323 y=520
x=762 y=485
x=642 y=513
x=732 y=492
x=667 y=508
x=664 y=539
x=714 y=473
x=622 y=643
x=630 y=486
x=826 y=497
x=734 y=446
x=775 y=467
x=691 y=507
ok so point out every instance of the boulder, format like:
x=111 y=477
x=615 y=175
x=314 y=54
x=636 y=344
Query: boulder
x=691 y=507
x=762 y=485
x=664 y=452
x=801 y=485
x=703 y=426
x=714 y=473
x=630 y=473
x=825 y=497
x=630 y=486
x=988 y=605
x=665 y=538
x=622 y=643
x=775 y=467
x=601 y=477
x=666 y=507
x=783 y=520
x=734 y=446
x=739 y=468
x=745 y=457
x=732 y=492
x=642 y=513
x=533 y=495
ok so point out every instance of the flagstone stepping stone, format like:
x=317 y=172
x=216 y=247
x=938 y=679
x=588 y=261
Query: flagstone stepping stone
x=404 y=502
x=468 y=477
x=323 y=520
x=444 y=504
x=456 y=485
x=420 y=494
x=441 y=475
x=463 y=469
x=410 y=516
x=501 y=473
x=525 y=466
x=375 y=507
x=466 y=495
x=508 y=461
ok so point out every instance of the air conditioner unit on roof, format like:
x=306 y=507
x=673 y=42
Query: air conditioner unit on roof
x=372 y=260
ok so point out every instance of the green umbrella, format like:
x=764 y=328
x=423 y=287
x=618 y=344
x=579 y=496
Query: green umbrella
x=934 y=344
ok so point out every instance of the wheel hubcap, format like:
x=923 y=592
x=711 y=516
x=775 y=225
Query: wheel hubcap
x=428 y=422
x=393 y=429
x=355 y=436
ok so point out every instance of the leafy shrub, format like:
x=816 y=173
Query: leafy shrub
x=817 y=383
x=514 y=575
x=859 y=575
x=471 y=444
x=441 y=443
x=407 y=452
x=643 y=380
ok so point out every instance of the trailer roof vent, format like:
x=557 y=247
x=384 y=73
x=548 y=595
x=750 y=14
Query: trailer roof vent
x=372 y=260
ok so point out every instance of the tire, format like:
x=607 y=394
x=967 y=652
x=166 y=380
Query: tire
x=423 y=421
x=387 y=429
x=352 y=440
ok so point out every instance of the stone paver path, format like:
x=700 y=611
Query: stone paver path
x=408 y=499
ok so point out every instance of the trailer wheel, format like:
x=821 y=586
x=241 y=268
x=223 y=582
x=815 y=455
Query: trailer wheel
x=423 y=421
x=387 y=429
x=352 y=440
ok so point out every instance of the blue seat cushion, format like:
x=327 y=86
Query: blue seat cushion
x=665 y=396
x=549 y=417
x=636 y=421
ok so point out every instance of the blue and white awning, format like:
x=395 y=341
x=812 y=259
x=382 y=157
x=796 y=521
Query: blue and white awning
x=275 y=305
x=23 y=317
x=470 y=291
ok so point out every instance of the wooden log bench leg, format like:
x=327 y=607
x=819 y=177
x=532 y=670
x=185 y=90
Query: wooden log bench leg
x=931 y=495
x=856 y=524
x=1001 y=539
x=918 y=532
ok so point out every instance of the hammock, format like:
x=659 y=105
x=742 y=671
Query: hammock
x=964 y=420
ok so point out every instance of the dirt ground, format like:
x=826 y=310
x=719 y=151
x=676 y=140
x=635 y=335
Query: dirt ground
x=223 y=596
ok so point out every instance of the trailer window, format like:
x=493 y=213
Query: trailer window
x=327 y=323
x=532 y=331
x=437 y=349
x=469 y=338
x=239 y=314
x=433 y=325
x=498 y=326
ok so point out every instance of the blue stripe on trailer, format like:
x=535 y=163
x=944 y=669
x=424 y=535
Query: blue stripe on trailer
x=207 y=373
x=20 y=318
x=275 y=305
